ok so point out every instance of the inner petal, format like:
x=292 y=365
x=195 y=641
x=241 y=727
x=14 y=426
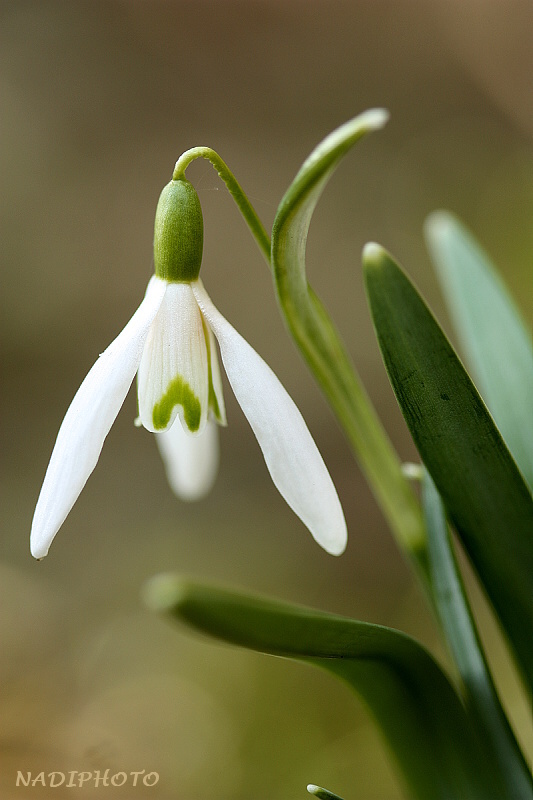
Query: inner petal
x=217 y=406
x=173 y=377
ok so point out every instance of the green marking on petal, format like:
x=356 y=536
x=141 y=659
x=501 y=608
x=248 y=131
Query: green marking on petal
x=179 y=393
x=213 y=402
x=212 y=397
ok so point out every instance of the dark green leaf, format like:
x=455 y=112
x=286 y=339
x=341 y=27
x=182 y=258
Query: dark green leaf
x=482 y=488
x=496 y=343
x=416 y=707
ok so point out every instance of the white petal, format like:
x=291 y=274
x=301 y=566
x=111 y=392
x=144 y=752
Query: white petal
x=88 y=420
x=173 y=373
x=291 y=455
x=191 y=462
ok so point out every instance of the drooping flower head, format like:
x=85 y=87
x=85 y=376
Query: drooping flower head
x=171 y=343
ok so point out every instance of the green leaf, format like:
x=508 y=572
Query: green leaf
x=452 y=607
x=481 y=486
x=320 y=343
x=497 y=346
x=416 y=707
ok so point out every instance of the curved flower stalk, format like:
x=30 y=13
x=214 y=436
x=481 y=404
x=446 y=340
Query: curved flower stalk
x=170 y=343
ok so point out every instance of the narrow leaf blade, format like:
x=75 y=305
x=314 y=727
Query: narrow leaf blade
x=416 y=707
x=482 y=488
x=458 y=624
x=320 y=343
x=299 y=202
x=497 y=345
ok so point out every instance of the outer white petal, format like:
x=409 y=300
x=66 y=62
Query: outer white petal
x=173 y=373
x=291 y=455
x=191 y=462
x=88 y=420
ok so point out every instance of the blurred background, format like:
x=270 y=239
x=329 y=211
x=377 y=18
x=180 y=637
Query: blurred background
x=98 y=100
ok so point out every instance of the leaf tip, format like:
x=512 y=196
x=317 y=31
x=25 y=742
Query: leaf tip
x=373 y=255
x=374 y=118
x=164 y=592
x=322 y=794
x=438 y=225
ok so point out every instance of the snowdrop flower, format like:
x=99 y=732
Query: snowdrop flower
x=170 y=343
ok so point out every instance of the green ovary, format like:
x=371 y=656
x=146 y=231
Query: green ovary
x=179 y=393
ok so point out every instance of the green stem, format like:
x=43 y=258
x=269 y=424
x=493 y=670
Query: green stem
x=234 y=188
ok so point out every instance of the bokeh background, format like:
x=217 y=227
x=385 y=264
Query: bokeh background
x=98 y=99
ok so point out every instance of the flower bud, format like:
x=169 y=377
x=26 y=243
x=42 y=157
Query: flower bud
x=178 y=233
